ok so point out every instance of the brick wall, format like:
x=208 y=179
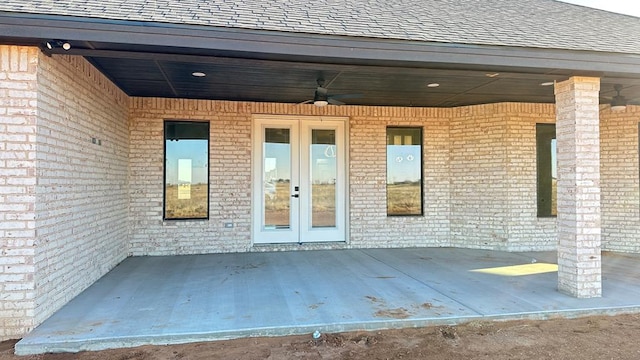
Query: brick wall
x=479 y=177
x=370 y=225
x=63 y=200
x=493 y=178
x=619 y=179
x=479 y=185
x=18 y=94
x=82 y=192
x=526 y=231
x=230 y=179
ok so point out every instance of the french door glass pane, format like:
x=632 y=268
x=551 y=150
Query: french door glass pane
x=277 y=179
x=323 y=178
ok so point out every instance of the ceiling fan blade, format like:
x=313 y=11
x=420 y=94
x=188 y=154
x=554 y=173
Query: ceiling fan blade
x=333 y=101
x=334 y=79
x=305 y=102
x=346 y=96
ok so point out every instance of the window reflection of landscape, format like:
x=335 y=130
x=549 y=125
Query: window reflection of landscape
x=277 y=178
x=323 y=178
x=186 y=192
x=404 y=171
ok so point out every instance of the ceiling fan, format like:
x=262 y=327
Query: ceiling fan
x=322 y=97
x=619 y=102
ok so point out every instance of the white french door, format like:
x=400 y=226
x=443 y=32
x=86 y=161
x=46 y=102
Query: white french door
x=299 y=181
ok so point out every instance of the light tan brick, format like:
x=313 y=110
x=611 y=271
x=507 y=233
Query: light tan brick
x=88 y=217
x=578 y=200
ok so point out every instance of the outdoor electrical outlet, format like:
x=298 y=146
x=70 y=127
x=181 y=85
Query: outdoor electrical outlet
x=228 y=225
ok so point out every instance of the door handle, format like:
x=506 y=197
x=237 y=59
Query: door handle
x=295 y=195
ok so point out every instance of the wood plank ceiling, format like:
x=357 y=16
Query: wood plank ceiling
x=284 y=82
x=148 y=71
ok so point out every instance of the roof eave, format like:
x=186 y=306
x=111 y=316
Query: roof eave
x=312 y=47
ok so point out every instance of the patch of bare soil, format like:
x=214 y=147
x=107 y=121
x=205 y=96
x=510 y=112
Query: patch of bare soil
x=599 y=337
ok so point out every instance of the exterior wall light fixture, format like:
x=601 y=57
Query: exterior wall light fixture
x=52 y=44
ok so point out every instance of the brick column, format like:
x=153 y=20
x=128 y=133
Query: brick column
x=578 y=148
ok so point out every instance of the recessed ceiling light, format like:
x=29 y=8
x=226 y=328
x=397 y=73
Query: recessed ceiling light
x=492 y=75
x=433 y=85
x=198 y=74
x=548 y=83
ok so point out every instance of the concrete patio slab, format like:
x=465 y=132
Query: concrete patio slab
x=165 y=300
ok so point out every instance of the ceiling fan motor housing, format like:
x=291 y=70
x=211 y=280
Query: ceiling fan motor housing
x=320 y=95
x=618 y=102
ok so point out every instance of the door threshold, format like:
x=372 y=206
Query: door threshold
x=326 y=245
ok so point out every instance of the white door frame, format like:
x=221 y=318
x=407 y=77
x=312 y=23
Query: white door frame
x=300 y=230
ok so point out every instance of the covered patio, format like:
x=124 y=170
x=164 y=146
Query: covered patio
x=177 y=299
x=442 y=100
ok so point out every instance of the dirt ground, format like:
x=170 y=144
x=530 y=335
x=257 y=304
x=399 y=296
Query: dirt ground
x=601 y=337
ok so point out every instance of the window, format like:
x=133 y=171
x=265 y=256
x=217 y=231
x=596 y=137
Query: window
x=547 y=170
x=186 y=170
x=404 y=171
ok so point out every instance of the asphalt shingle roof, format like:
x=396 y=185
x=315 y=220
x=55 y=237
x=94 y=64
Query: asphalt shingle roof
x=521 y=23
